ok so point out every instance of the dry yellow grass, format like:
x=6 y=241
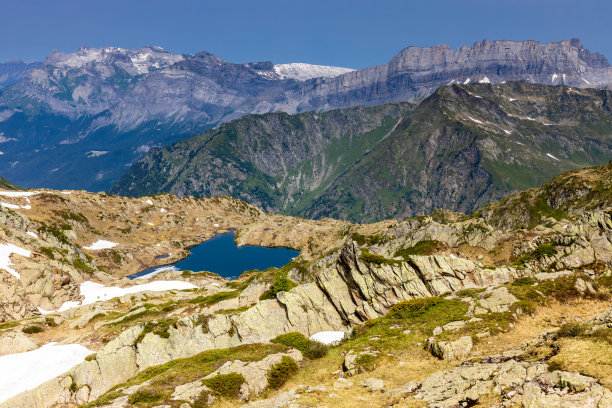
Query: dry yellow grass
x=592 y=358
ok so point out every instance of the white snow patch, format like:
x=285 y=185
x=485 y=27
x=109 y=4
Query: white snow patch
x=552 y=157
x=555 y=76
x=149 y=201
x=8 y=205
x=517 y=142
x=96 y=292
x=150 y=223
x=24 y=371
x=484 y=80
x=216 y=225
x=163 y=210
x=303 y=72
x=507 y=131
x=453 y=256
x=467 y=81
x=5 y=258
x=18 y=193
x=32 y=234
x=101 y=244
x=586 y=81
x=66 y=192
x=563 y=78
x=475 y=120
x=512 y=99
x=328 y=337
x=157 y=271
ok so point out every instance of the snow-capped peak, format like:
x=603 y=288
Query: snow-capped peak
x=142 y=59
x=303 y=72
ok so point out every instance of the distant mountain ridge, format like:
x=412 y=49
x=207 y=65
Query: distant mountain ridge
x=460 y=148
x=123 y=102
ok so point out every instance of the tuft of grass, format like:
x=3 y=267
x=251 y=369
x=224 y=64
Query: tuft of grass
x=281 y=372
x=216 y=298
x=426 y=247
x=370 y=258
x=310 y=349
x=146 y=396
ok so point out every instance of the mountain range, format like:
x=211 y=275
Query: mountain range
x=80 y=120
x=460 y=148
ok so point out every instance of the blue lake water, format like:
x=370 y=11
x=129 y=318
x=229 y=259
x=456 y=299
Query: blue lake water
x=220 y=255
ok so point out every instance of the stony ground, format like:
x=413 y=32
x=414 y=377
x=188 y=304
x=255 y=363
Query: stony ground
x=444 y=310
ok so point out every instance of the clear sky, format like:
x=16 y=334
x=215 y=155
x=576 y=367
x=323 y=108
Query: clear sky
x=351 y=33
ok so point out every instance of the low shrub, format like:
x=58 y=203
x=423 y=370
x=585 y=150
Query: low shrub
x=225 y=385
x=281 y=372
x=280 y=284
x=426 y=247
x=571 y=330
x=146 y=396
x=413 y=308
x=32 y=329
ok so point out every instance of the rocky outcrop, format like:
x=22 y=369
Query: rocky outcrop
x=519 y=384
x=450 y=350
x=255 y=373
x=16 y=342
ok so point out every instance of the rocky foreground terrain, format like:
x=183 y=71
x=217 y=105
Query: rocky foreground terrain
x=509 y=306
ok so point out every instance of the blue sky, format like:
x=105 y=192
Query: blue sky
x=333 y=32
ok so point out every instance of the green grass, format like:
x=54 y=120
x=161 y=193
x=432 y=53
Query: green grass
x=426 y=247
x=310 y=349
x=216 y=298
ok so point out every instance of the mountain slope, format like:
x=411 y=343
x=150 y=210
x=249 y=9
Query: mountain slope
x=461 y=148
x=276 y=160
x=125 y=101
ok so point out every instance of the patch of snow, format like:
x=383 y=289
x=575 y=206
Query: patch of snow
x=453 y=256
x=586 y=81
x=502 y=82
x=158 y=245
x=563 y=78
x=101 y=244
x=18 y=193
x=24 y=371
x=555 y=76
x=512 y=99
x=467 y=81
x=474 y=120
x=507 y=132
x=484 y=80
x=149 y=201
x=95 y=153
x=95 y=292
x=5 y=257
x=11 y=206
x=328 y=337
x=517 y=142
x=216 y=225
x=32 y=234
x=150 y=223
x=158 y=271
x=66 y=192
x=552 y=157
x=163 y=210
x=303 y=72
